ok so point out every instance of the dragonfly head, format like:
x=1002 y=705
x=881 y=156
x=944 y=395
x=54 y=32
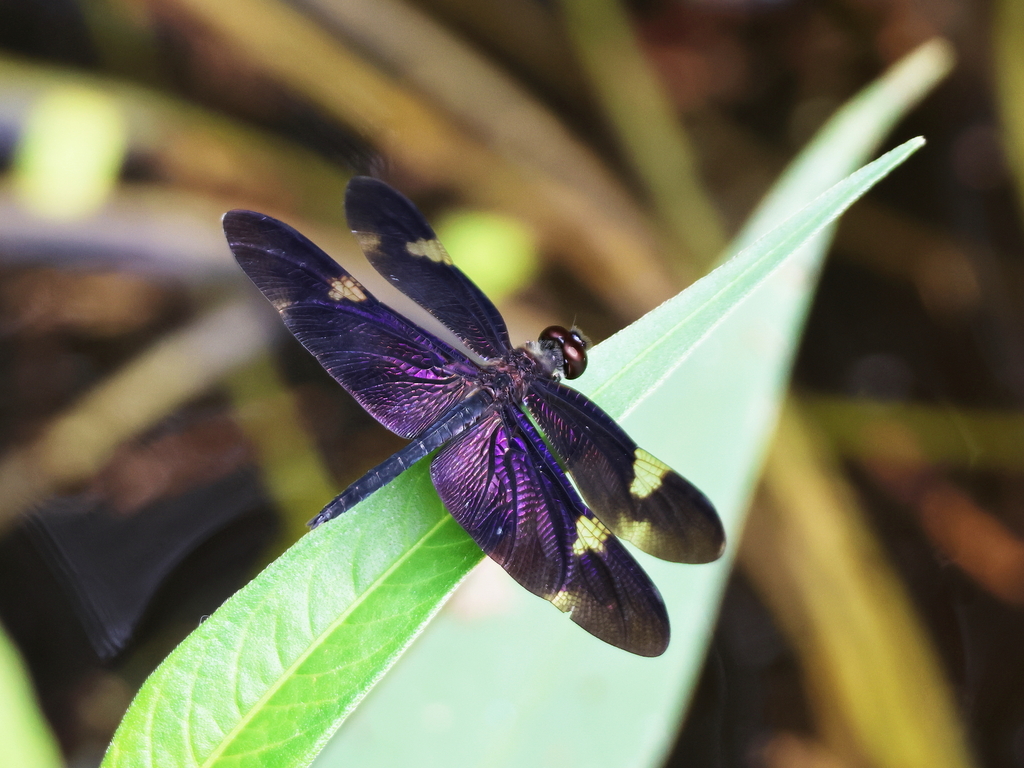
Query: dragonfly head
x=568 y=345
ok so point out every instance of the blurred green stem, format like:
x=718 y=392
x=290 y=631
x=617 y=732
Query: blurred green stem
x=877 y=685
x=1008 y=44
x=960 y=437
x=648 y=127
x=295 y=475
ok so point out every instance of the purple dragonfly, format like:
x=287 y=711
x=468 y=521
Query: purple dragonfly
x=507 y=430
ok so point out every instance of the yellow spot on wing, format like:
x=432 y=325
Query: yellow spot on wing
x=346 y=288
x=563 y=600
x=368 y=241
x=590 y=535
x=281 y=304
x=648 y=473
x=640 y=532
x=432 y=249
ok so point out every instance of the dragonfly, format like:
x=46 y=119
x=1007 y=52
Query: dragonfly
x=537 y=474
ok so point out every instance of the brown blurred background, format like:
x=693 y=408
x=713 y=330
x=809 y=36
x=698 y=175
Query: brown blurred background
x=162 y=438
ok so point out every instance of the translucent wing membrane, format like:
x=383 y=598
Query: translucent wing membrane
x=403 y=376
x=638 y=497
x=402 y=246
x=503 y=486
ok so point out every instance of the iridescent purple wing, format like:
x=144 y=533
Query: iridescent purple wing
x=505 y=488
x=404 y=377
x=401 y=245
x=638 y=497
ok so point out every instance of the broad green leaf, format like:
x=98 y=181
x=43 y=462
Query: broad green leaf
x=271 y=674
x=26 y=739
x=520 y=684
x=268 y=678
x=515 y=685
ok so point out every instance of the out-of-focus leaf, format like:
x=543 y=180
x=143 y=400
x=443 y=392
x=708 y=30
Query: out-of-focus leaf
x=647 y=125
x=498 y=253
x=70 y=153
x=206 y=163
x=293 y=470
x=191 y=147
x=958 y=437
x=77 y=443
x=424 y=141
x=1008 y=44
x=26 y=739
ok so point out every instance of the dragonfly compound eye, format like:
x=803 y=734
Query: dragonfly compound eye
x=573 y=347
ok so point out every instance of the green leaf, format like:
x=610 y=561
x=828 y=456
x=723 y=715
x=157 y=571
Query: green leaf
x=515 y=684
x=277 y=668
x=270 y=676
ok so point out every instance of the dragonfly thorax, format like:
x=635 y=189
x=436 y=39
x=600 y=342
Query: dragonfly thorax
x=508 y=379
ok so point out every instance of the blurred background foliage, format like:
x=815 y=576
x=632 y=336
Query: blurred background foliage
x=169 y=440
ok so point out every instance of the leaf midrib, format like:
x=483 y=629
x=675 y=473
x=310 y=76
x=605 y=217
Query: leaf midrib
x=313 y=646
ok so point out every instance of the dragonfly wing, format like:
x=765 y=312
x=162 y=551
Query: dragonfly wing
x=638 y=497
x=402 y=375
x=402 y=246
x=505 y=488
